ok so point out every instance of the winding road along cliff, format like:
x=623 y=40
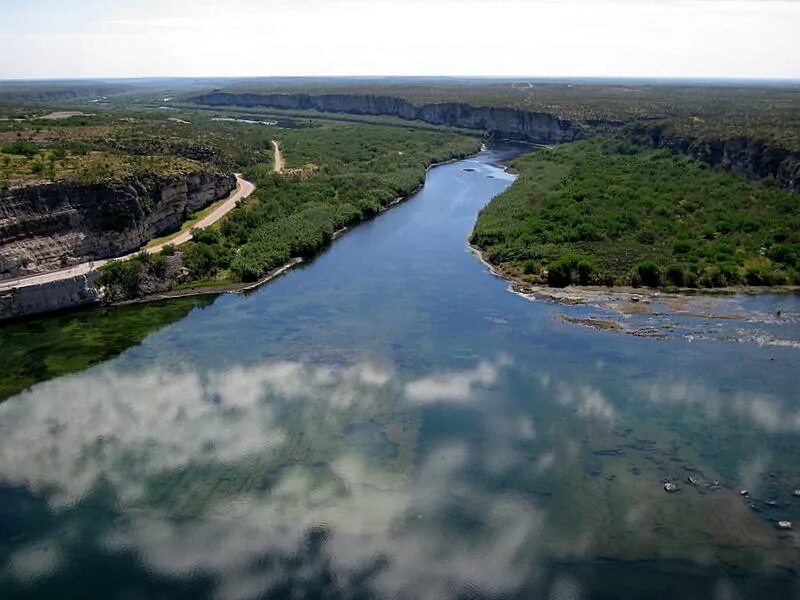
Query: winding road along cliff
x=72 y=286
x=49 y=226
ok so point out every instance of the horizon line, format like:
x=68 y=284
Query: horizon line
x=568 y=78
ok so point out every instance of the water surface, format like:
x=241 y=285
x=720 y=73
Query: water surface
x=390 y=421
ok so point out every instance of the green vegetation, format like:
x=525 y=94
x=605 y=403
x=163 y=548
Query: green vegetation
x=114 y=148
x=606 y=212
x=363 y=168
x=21 y=148
x=338 y=174
x=40 y=349
x=595 y=212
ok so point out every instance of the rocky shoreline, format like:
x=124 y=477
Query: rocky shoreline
x=623 y=302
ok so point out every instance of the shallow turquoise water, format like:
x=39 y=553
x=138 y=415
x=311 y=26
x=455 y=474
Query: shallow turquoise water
x=391 y=421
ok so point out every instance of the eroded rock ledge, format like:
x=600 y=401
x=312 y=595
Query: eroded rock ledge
x=53 y=225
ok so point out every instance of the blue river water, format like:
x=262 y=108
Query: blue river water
x=390 y=421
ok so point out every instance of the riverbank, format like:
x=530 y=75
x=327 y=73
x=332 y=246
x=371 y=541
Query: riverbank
x=645 y=312
x=243 y=287
x=296 y=215
x=577 y=294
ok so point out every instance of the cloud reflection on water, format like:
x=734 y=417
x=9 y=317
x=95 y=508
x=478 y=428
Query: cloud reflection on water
x=63 y=436
x=761 y=409
x=450 y=527
x=123 y=429
x=455 y=386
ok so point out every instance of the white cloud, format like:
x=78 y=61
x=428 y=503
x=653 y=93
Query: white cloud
x=526 y=38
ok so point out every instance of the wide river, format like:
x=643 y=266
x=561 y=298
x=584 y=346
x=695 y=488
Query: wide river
x=390 y=421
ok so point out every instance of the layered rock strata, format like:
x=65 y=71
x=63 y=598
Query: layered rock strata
x=53 y=225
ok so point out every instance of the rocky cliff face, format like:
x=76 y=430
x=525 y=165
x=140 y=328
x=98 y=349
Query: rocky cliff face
x=539 y=128
x=743 y=155
x=50 y=226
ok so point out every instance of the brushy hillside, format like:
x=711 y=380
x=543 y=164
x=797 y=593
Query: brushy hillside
x=115 y=145
x=605 y=212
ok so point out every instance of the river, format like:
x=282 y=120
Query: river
x=388 y=421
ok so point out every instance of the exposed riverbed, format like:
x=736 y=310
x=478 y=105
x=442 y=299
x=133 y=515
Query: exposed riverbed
x=390 y=420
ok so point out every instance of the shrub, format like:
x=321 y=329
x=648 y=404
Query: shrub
x=205 y=236
x=646 y=236
x=531 y=267
x=724 y=275
x=559 y=274
x=765 y=276
x=787 y=254
x=586 y=272
x=21 y=148
x=648 y=273
x=121 y=278
x=675 y=275
x=681 y=247
x=158 y=265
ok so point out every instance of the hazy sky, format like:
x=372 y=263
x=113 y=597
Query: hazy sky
x=660 y=38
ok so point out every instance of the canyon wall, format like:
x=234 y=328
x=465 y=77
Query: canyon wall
x=539 y=128
x=747 y=156
x=53 y=225
x=750 y=157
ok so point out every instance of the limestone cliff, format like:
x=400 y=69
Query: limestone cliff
x=744 y=155
x=750 y=157
x=48 y=226
x=62 y=294
x=540 y=128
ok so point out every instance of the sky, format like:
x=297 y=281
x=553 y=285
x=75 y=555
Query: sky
x=503 y=38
